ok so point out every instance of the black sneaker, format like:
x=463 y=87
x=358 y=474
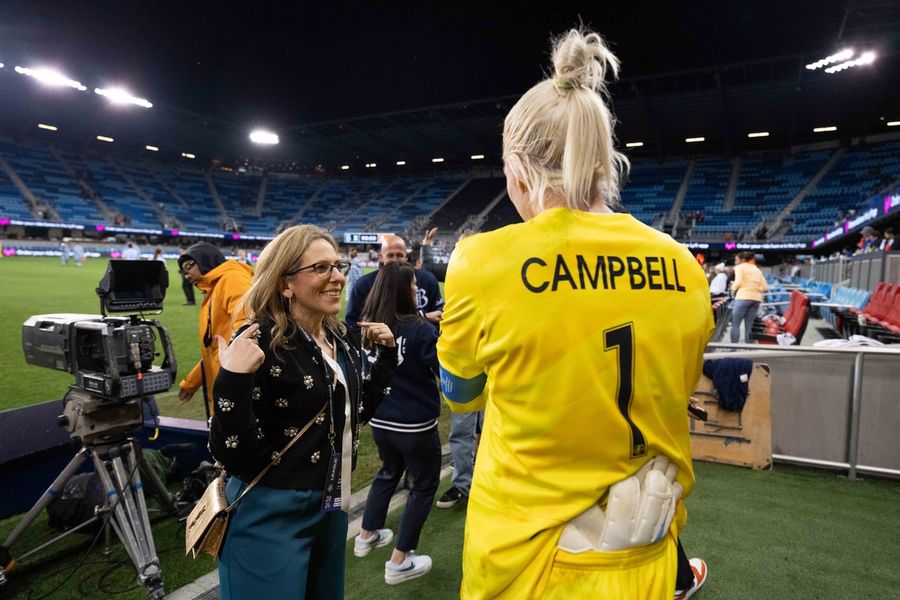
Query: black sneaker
x=451 y=498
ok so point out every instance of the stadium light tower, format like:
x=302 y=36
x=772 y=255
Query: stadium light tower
x=120 y=96
x=50 y=77
x=261 y=136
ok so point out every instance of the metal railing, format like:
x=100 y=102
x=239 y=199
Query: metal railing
x=851 y=465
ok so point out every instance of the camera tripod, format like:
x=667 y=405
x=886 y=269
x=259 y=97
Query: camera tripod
x=119 y=463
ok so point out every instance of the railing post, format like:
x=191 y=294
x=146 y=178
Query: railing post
x=855 y=404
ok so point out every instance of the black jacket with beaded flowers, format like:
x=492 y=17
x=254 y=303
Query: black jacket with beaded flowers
x=256 y=414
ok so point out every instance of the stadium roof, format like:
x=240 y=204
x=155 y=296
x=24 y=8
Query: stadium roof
x=437 y=82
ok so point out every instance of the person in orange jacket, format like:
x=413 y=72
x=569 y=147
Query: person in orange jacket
x=224 y=283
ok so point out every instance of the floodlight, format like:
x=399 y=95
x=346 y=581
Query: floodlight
x=50 y=77
x=345 y=167
x=757 y=134
x=105 y=138
x=477 y=156
x=120 y=96
x=152 y=148
x=845 y=54
x=893 y=123
x=400 y=163
x=47 y=127
x=261 y=136
x=866 y=58
x=2 y=65
x=437 y=160
x=188 y=155
x=692 y=140
x=824 y=129
x=634 y=144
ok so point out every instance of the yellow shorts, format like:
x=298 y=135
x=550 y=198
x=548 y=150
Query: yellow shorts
x=646 y=573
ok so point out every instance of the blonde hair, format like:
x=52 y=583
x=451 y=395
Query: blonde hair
x=558 y=138
x=264 y=301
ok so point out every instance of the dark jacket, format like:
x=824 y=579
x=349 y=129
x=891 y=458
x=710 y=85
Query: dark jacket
x=413 y=403
x=429 y=295
x=439 y=270
x=731 y=377
x=257 y=414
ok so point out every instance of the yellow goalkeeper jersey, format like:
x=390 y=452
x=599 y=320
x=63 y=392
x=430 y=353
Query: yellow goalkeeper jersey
x=582 y=337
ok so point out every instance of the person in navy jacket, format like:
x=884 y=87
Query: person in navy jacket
x=404 y=426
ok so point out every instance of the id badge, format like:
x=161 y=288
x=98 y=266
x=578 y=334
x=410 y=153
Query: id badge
x=331 y=501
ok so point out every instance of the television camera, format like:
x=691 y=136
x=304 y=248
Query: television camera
x=112 y=359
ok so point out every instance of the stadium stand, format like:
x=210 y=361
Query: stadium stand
x=708 y=198
x=11 y=204
x=190 y=189
x=766 y=184
x=650 y=190
x=474 y=197
x=861 y=171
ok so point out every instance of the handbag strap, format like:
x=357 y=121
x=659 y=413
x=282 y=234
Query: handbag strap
x=276 y=458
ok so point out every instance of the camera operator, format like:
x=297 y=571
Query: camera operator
x=224 y=282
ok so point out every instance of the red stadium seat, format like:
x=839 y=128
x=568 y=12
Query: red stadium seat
x=796 y=319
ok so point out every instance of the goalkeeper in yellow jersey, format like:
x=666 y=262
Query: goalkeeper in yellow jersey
x=581 y=333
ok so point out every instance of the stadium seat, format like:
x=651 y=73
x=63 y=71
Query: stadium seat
x=796 y=318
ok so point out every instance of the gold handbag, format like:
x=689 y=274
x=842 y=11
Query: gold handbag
x=204 y=531
x=206 y=525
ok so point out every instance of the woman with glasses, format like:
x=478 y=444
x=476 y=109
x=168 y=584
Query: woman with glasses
x=581 y=333
x=296 y=367
x=404 y=426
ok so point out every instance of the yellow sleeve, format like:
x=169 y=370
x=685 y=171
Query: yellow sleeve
x=192 y=380
x=463 y=380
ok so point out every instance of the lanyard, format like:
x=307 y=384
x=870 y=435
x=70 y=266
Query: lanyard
x=346 y=436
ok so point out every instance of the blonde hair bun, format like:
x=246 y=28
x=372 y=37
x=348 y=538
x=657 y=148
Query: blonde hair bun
x=582 y=60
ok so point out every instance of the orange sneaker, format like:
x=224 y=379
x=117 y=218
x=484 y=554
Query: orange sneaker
x=698 y=566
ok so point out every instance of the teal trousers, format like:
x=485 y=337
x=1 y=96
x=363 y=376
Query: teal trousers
x=280 y=546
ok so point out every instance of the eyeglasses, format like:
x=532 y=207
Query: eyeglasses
x=187 y=265
x=323 y=269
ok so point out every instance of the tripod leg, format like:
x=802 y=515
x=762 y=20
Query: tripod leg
x=55 y=489
x=134 y=459
x=118 y=515
x=124 y=479
x=138 y=524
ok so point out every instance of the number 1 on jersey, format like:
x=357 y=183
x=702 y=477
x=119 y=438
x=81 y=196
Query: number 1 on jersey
x=621 y=338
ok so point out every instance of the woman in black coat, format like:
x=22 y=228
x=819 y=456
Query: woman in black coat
x=295 y=365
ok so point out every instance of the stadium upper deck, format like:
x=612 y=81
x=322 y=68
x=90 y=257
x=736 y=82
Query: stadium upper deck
x=793 y=196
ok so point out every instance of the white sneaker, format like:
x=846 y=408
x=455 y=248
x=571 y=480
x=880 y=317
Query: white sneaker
x=414 y=566
x=381 y=538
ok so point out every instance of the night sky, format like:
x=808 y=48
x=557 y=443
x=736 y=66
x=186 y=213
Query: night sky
x=284 y=64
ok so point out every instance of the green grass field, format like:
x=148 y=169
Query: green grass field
x=787 y=533
x=34 y=286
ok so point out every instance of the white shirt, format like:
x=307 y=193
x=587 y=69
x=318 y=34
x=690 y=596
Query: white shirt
x=718 y=285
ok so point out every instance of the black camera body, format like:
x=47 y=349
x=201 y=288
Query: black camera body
x=110 y=357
